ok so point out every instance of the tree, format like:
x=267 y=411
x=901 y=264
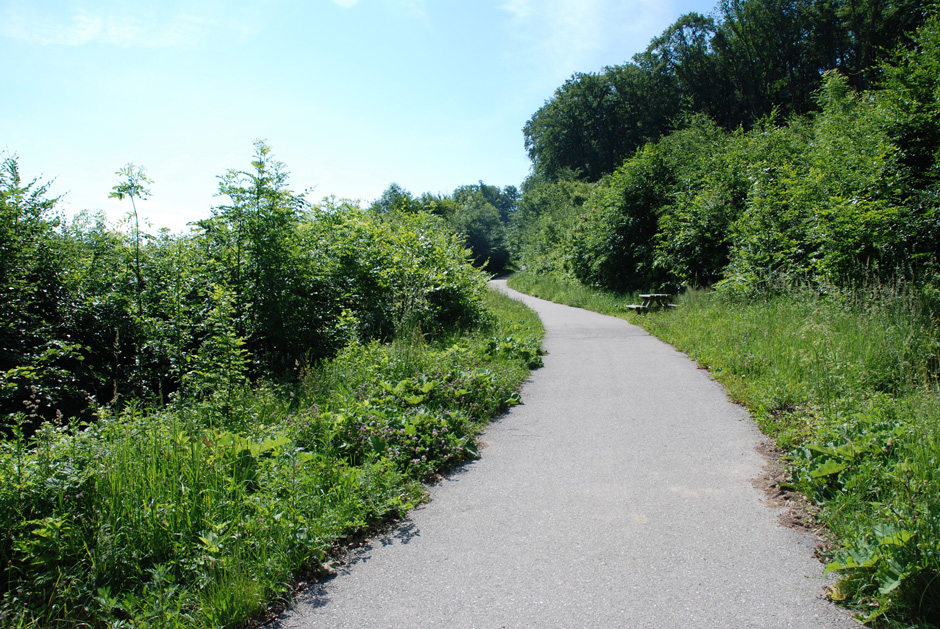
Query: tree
x=395 y=199
x=256 y=231
x=478 y=223
x=133 y=185
x=871 y=30
x=538 y=229
x=683 y=62
x=504 y=200
x=693 y=235
x=911 y=113
x=580 y=129
x=911 y=99
x=765 y=49
x=612 y=245
x=36 y=349
x=481 y=215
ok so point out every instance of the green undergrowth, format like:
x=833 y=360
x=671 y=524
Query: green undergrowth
x=571 y=293
x=200 y=516
x=846 y=383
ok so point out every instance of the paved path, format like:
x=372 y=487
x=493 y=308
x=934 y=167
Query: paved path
x=619 y=495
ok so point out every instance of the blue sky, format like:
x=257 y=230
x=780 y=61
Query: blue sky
x=351 y=94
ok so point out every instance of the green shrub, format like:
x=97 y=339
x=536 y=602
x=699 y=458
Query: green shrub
x=194 y=517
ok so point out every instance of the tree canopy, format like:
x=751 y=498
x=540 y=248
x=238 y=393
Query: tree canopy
x=749 y=60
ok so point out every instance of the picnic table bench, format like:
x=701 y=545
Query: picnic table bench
x=652 y=301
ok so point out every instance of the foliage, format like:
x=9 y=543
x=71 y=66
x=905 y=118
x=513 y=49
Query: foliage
x=199 y=515
x=581 y=128
x=614 y=245
x=133 y=185
x=99 y=316
x=38 y=357
x=911 y=112
x=482 y=229
x=230 y=402
x=822 y=198
x=546 y=215
x=694 y=236
x=255 y=242
x=395 y=199
x=748 y=60
x=825 y=198
x=912 y=101
x=478 y=214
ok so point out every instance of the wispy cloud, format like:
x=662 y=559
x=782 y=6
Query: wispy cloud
x=520 y=9
x=124 y=24
x=417 y=8
x=563 y=36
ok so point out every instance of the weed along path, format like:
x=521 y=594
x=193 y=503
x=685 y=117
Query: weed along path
x=619 y=495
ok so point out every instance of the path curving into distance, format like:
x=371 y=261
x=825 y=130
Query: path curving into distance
x=619 y=495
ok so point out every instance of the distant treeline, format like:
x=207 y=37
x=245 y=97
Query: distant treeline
x=479 y=214
x=796 y=140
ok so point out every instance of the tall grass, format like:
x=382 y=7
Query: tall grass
x=572 y=293
x=846 y=382
x=188 y=517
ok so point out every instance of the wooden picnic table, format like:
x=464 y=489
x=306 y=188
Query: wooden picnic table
x=652 y=301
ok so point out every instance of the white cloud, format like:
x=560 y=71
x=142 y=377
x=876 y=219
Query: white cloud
x=520 y=9
x=417 y=8
x=125 y=24
x=566 y=36
x=20 y=23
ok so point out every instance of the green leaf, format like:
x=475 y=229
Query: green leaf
x=891 y=584
x=899 y=538
x=828 y=469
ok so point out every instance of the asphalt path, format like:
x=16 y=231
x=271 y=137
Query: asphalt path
x=621 y=494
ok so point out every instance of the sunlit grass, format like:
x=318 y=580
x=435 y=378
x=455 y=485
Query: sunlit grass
x=572 y=293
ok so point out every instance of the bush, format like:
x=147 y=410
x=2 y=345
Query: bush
x=193 y=517
x=265 y=285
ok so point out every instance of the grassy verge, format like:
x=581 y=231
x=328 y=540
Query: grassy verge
x=847 y=385
x=200 y=516
x=572 y=293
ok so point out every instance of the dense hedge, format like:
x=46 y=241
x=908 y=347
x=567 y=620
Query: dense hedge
x=192 y=419
x=845 y=194
x=267 y=284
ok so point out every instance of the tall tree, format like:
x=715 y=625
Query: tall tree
x=578 y=129
x=872 y=30
x=35 y=347
x=133 y=185
x=395 y=199
x=764 y=49
x=259 y=225
x=683 y=59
